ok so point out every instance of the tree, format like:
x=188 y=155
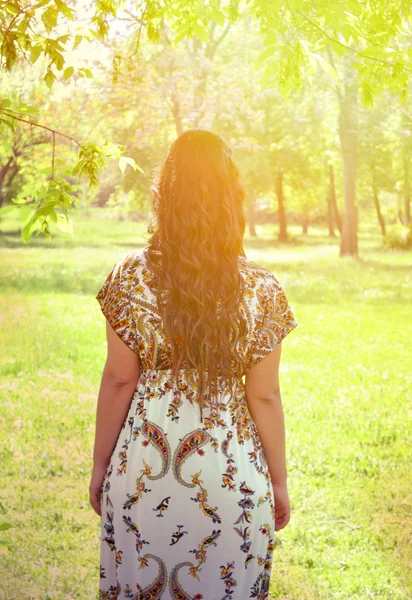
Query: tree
x=374 y=40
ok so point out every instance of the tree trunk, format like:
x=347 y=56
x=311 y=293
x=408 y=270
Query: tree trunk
x=305 y=225
x=335 y=216
x=406 y=189
x=251 y=223
x=347 y=134
x=3 y=173
x=283 y=234
x=176 y=114
x=331 y=230
x=377 y=204
x=400 y=214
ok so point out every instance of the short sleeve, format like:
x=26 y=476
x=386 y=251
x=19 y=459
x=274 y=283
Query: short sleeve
x=274 y=318
x=114 y=300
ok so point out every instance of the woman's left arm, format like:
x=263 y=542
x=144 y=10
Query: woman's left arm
x=120 y=376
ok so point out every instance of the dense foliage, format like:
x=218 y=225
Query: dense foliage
x=313 y=97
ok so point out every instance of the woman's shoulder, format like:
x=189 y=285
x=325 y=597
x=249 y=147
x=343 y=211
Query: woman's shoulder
x=131 y=266
x=133 y=259
x=258 y=272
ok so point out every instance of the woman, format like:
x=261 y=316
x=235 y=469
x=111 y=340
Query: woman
x=189 y=469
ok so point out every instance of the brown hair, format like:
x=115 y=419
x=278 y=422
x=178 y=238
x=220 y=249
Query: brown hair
x=197 y=238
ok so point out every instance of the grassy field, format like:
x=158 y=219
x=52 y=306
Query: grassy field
x=346 y=388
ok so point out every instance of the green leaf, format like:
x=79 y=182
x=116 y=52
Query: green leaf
x=45 y=170
x=404 y=95
x=53 y=216
x=40 y=4
x=49 y=78
x=27 y=231
x=66 y=202
x=43 y=211
x=76 y=168
x=200 y=31
x=372 y=51
x=25 y=212
x=22 y=26
x=77 y=41
x=49 y=18
x=86 y=72
x=35 y=52
x=180 y=35
x=127 y=160
x=13 y=10
x=31 y=110
x=64 y=9
x=58 y=60
x=5 y=526
x=68 y=73
x=346 y=30
x=8 y=208
x=7 y=123
x=337 y=48
x=5 y=102
x=217 y=16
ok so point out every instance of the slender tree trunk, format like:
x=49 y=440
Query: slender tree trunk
x=331 y=230
x=283 y=234
x=176 y=114
x=305 y=226
x=252 y=223
x=406 y=158
x=305 y=222
x=377 y=204
x=347 y=134
x=3 y=173
x=407 y=188
x=335 y=216
x=400 y=214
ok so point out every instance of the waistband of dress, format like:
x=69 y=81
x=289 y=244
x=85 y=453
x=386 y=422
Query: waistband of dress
x=185 y=376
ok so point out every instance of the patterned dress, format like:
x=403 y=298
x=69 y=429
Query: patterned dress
x=187 y=506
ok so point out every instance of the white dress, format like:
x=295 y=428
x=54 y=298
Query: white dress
x=187 y=506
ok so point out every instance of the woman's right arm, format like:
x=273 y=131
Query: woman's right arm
x=265 y=407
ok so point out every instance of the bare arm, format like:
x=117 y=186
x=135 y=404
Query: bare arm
x=265 y=406
x=119 y=379
x=120 y=376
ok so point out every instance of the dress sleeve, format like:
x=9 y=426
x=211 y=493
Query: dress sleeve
x=114 y=300
x=274 y=319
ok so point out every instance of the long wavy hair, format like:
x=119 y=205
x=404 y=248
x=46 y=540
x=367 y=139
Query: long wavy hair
x=193 y=252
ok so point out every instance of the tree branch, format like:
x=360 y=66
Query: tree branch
x=14 y=115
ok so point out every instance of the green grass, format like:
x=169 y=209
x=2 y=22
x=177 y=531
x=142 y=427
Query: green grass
x=346 y=389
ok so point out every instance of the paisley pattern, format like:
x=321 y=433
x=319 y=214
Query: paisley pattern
x=176 y=590
x=157 y=587
x=187 y=506
x=158 y=438
x=191 y=443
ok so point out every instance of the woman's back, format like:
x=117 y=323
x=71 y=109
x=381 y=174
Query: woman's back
x=187 y=503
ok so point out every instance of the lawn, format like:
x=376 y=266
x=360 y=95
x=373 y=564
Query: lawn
x=346 y=382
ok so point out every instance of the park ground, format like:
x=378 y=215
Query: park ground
x=346 y=383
